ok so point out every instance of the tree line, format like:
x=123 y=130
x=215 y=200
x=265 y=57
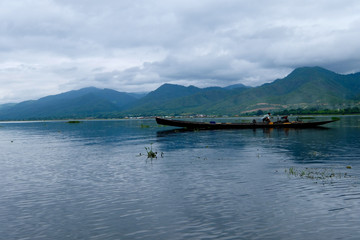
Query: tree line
x=308 y=111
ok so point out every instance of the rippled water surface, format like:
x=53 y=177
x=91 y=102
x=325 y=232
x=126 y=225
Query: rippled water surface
x=92 y=180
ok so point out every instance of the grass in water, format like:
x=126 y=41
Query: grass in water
x=315 y=173
x=150 y=153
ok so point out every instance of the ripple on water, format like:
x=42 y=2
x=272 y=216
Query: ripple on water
x=89 y=182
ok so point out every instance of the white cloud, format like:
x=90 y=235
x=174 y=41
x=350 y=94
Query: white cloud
x=52 y=46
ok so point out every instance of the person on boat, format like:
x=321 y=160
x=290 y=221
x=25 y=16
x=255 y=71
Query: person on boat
x=284 y=119
x=266 y=118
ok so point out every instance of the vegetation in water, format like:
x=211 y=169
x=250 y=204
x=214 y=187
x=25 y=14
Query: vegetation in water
x=144 y=126
x=316 y=173
x=150 y=153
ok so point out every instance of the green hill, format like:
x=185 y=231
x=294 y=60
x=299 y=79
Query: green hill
x=304 y=87
x=83 y=103
x=176 y=99
x=307 y=87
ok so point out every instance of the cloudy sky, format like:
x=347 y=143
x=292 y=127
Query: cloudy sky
x=53 y=46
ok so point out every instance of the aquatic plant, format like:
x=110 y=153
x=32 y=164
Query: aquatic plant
x=315 y=173
x=291 y=171
x=150 y=153
x=144 y=126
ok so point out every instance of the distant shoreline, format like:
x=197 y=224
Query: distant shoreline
x=180 y=117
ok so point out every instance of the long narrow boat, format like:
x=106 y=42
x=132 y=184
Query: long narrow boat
x=214 y=125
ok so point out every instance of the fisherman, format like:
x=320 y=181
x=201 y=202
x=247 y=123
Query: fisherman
x=266 y=118
x=284 y=119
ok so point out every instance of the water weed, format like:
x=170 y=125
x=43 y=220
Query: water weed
x=151 y=154
x=315 y=173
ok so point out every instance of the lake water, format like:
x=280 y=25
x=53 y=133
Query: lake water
x=93 y=180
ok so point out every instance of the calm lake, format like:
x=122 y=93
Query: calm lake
x=92 y=180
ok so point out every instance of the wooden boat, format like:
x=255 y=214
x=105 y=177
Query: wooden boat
x=214 y=125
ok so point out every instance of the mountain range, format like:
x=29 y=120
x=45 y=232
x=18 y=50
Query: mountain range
x=303 y=88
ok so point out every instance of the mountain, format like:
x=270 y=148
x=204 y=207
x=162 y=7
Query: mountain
x=172 y=99
x=169 y=91
x=305 y=87
x=6 y=106
x=86 y=102
x=161 y=98
x=239 y=85
x=138 y=95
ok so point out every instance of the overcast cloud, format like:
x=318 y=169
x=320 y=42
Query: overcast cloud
x=53 y=46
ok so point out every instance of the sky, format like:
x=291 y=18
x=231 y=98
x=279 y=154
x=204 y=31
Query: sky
x=53 y=46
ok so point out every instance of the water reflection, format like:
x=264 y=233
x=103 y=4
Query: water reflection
x=315 y=145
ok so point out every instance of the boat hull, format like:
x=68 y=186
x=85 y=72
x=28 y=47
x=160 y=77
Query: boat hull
x=213 y=125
